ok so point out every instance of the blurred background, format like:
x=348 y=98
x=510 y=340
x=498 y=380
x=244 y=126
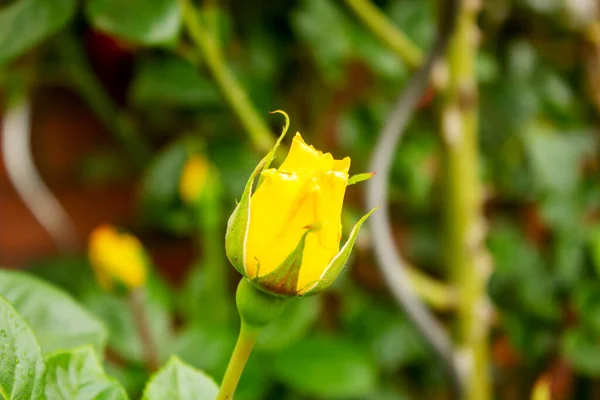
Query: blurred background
x=105 y=101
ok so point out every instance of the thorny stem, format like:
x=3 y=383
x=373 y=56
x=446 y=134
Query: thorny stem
x=468 y=262
x=142 y=323
x=387 y=32
x=238 y=99
x=238 y=360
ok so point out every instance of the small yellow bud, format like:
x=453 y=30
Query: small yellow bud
x=117 y=257
x=541 y=390
x=194 y=179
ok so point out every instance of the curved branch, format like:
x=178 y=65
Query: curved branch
x=21 y=170
x=388 y=256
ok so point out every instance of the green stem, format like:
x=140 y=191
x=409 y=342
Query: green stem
x=467 y=258
x=387 y=32
x=238 y=360
x=236 y=96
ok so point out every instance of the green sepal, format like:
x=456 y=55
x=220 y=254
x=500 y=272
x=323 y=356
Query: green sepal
x=336 y=266
x=238 y=223
x=283 y=281
x=271 y=156
x=360 y=178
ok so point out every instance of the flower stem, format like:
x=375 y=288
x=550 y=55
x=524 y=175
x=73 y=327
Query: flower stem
x=236 y=96
x=241 y=353
x=140 y=319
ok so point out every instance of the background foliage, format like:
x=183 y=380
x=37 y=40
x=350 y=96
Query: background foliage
x=134 y=65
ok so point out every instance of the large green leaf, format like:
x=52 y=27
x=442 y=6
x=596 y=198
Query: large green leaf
x=179 y=381
x=326 y=367
x=25 y=23
x=21 y=363
x=57 y=320
x=151 y=22
x=77 y=375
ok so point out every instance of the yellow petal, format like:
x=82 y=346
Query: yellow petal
x=280 y=210
x=323 y=244
x=303 y=157
x=342 y=165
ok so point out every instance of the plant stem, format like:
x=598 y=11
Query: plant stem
x=387 y=32
x=238 y=360
x=468 y=261
x=141 y=321
x=238 y=99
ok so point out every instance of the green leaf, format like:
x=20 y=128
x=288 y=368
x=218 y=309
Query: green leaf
x=155 y=22
x=586 y=300
x=25 y=23
x=326 y=367
x=77 y=375
x=580 y=347
x=172 y=81
x=179 y=381
x=21 y=363
x=556 y=157
x=521 y=282
x=57 y=320
x=595 y=248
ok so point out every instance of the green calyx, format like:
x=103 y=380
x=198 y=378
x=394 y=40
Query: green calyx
x=257 y=309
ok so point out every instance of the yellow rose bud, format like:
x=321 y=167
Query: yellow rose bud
x=194 y=179
x=117 y=257
x=286 y=236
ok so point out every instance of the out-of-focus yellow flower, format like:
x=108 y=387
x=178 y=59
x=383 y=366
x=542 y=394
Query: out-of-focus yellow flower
x=117 y=257
x=285 y=237
x=541 y=390
x=194 y=179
